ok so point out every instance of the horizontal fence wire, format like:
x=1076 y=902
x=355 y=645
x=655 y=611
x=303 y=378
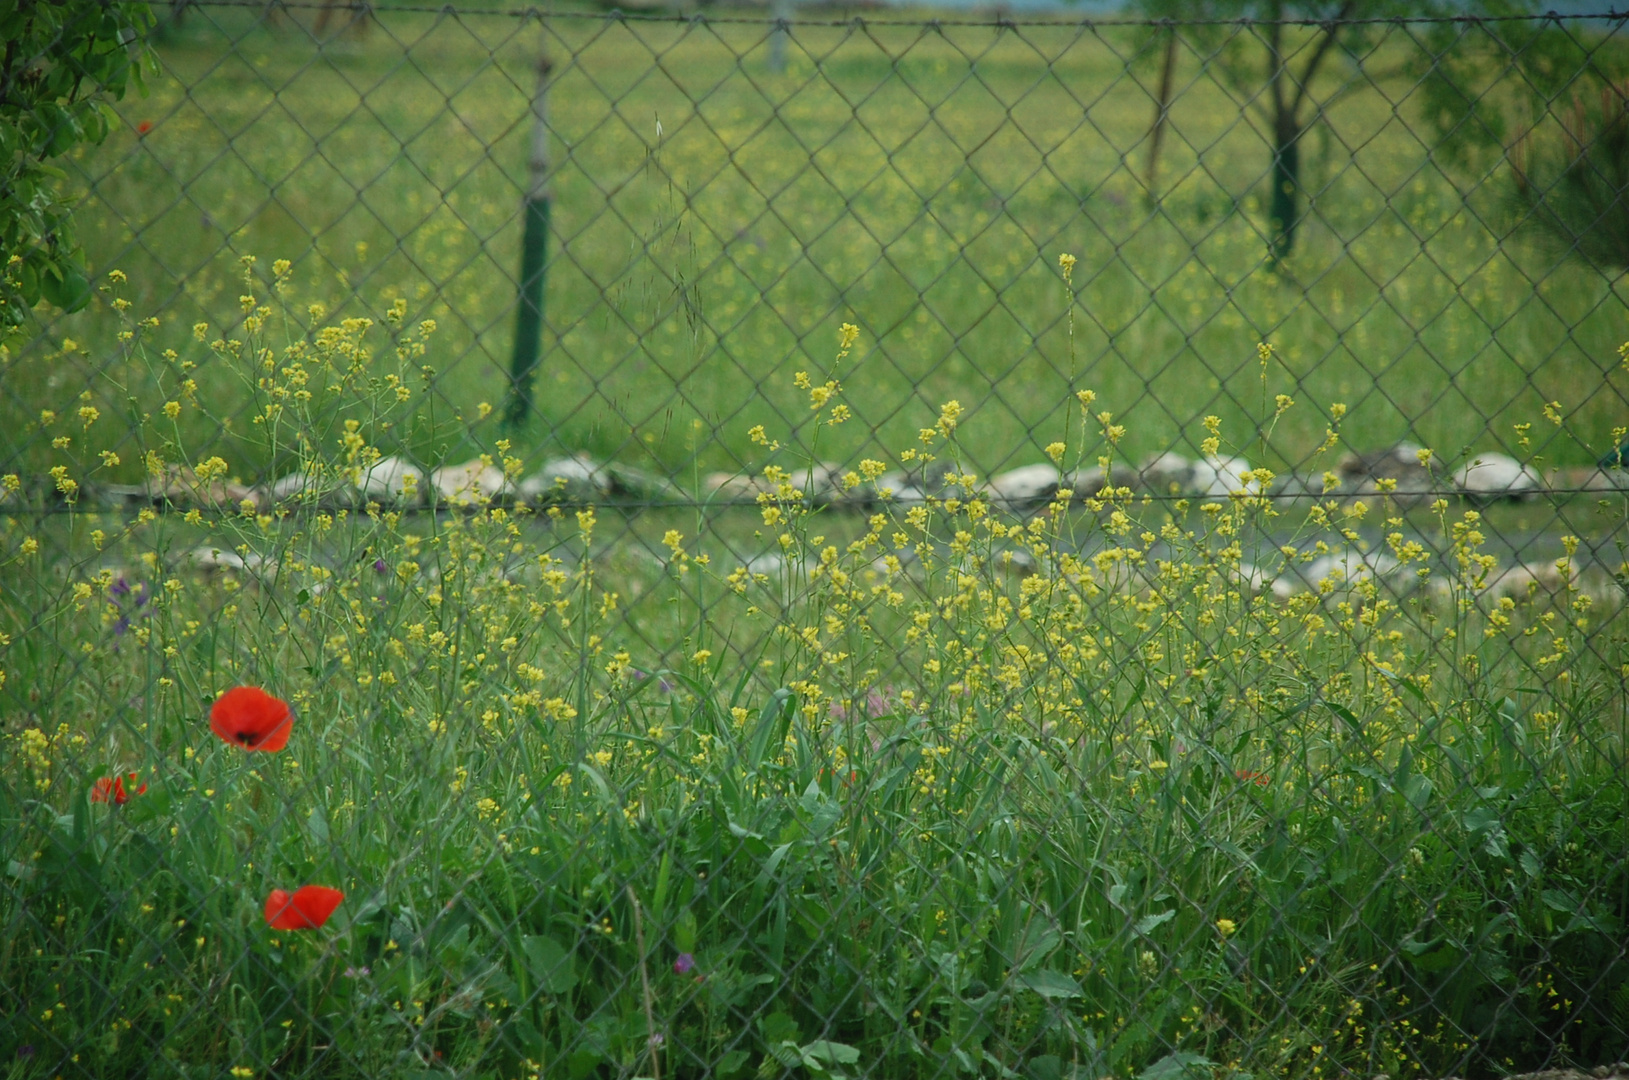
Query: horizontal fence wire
x=767 y=543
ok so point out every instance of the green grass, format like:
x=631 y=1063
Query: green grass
x=919 y=183
x=911 y=812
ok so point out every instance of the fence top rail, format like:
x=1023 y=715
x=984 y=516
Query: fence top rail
x=995 y=18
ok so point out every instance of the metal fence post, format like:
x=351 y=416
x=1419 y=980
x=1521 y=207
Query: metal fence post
x=780 y=13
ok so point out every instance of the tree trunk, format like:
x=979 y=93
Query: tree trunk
x=534 y=260
x=1284 y=210
x=1162 y=107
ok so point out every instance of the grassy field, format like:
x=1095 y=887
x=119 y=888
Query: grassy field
x=890 y=811
x=777 y=792
x=918 y=182
x=883 y=807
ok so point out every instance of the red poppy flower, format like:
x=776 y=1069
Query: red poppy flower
x=1250 y=776
x=144 y=127
x=307 y=909
x=111 y=789
x=249 y=717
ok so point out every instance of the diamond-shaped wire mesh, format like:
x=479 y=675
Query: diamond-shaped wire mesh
x=1019 y=548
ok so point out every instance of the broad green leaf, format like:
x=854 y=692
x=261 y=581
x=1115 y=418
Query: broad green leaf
x=550 y=964
x=1050 y=984
x=1040 y=940
x=831 y=1053
x=1178 y=1066
x=1148 y=923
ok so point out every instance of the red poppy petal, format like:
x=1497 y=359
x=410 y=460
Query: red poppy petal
x=307 y=909
x=100 y=789
x=248 y=717
x=280 y=911
x=316 y=903
x=277 y=738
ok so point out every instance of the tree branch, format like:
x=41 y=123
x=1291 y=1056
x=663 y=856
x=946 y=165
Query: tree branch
x=1317 y=58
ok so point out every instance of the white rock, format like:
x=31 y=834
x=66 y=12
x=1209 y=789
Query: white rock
x=1217 y=477
x=289 y=487
x=391 y=479
x=472 y=483
x=1089 y=482
x=1342 y=569
x=737 y=486
x=637 y=485
x=1027 y=485
x=772 y=563
x=1015 y=560
x=298 y=486
x=820 y=482
x=1413 y=479
x=578 y=478
x=1166 y=474
x=897 y=487
x=1255 y=578
x=1293 y=490
x=213 y=558
x=1593 y=479
x=1284 y=586
x=1495 y=476
x=115 y=495
x=766 y=562
x=581 y=479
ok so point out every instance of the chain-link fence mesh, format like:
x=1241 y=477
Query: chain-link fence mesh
x=852 y=546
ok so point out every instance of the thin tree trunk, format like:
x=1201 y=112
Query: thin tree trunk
x=534 y=259
x=1284 y=206
x=1156 y=133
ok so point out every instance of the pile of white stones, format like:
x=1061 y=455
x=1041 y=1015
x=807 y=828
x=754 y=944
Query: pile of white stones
x=1404 y=474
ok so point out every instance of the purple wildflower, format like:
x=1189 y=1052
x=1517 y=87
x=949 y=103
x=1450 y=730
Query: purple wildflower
x=379 y=566
x=684 y=963
x=120 y=587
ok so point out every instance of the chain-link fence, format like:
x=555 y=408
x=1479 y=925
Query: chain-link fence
x=854 y=546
